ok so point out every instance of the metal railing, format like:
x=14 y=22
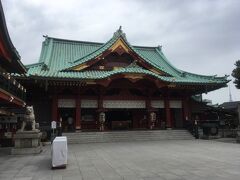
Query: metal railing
x=13 y=87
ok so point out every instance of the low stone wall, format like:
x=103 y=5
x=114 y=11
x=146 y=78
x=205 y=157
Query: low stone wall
x=222 y=133
x=227 y=133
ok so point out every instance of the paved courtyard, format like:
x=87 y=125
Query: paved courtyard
x=160 y=160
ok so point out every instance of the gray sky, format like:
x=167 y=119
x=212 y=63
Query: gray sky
x=201 y=36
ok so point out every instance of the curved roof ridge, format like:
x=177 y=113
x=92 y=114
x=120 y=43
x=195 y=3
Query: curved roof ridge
x=144 y=47
x=71 y=40
x=205 y=76
x=92 y=42
x=34 y=64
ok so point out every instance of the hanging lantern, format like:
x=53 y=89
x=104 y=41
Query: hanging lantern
x=11 y=99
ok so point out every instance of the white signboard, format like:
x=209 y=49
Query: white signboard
x=54 y=125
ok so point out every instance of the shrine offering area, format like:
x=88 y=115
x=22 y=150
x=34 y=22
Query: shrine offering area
x=156 y=160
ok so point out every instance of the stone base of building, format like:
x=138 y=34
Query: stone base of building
x=27 y=142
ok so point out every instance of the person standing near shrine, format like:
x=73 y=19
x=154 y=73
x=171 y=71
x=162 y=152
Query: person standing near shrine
x=196 y=127
x=70 y=123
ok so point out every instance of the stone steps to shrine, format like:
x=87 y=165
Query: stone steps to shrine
x=124 y=136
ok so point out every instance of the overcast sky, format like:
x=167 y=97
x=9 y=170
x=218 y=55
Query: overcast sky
x=201 y=36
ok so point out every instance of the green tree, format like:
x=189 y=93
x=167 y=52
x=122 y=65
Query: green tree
x=236 y=74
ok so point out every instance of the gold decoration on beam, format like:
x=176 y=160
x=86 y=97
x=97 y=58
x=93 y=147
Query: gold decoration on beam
x=120 y=43
x=116 y=68
x=80 y=67
x=172 y=85
x=156 y=71
x=101 y=67
x=134 y=76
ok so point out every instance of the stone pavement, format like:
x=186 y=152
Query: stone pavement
x=156 y=160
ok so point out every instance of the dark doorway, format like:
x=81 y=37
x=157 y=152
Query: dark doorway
x=177 y=118
x=161 y=119
x=68 y=119
x=89 y=119
x=119 y=119
x=140 y=119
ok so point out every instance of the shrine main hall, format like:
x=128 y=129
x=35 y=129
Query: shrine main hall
x=114 y=85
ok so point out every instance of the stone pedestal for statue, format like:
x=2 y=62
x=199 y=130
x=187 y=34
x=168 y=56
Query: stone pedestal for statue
x=27 y=142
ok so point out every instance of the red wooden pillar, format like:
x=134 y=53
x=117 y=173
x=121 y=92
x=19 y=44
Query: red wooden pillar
x=168 y=113
x=78 y=113
x=54 y=108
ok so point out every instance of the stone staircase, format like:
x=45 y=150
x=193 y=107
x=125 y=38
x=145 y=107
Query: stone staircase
x=124 y=136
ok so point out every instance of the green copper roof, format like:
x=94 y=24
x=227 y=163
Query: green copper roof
x=92 y=75
x=59 y=55
x=152 y=56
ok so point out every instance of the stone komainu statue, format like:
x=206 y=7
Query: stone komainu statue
x=29 y=118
